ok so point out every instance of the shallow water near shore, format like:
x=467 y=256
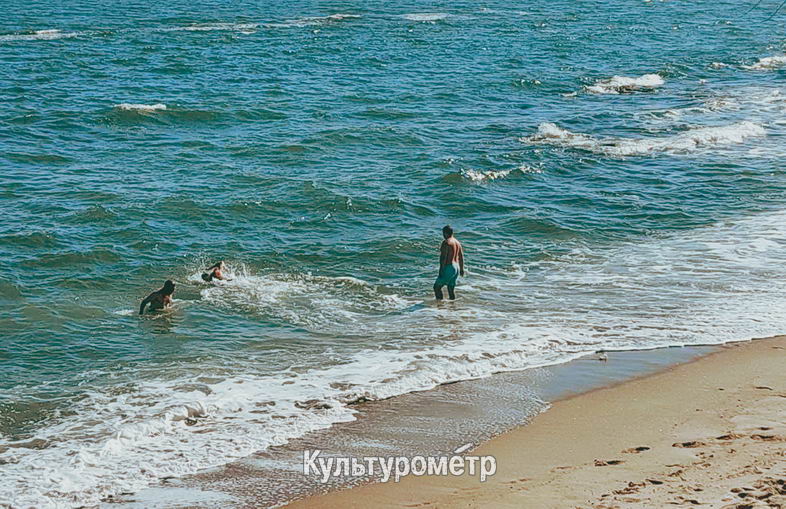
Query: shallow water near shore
x=613 y=174
x=429 y=423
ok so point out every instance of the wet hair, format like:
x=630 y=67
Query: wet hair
x=169 y=287
x=447 y=231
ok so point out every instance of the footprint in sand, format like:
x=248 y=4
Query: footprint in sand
x=604 y=463
x=638 y=449
x=633 y=487
x=689 y=445
x=729 y=436
x=765 y=438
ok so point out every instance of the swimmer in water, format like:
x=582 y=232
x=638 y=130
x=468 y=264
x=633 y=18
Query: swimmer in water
x=215 y=272
x=451 y=264
x=160 y=299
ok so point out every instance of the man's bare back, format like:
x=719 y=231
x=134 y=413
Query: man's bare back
x=452 y=252
x=160 y=299
x=451 y=264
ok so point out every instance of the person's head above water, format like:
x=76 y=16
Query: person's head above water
x=169 y=287
x=447 y=231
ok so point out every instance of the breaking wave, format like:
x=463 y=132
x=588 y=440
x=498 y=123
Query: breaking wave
x=246 y=28
x=767 y=63
x=426 y=17
x=122 y=437
x=313 y=21
x=624 y=84
x=141 y=107
x=39 y=35
x=491 y=175
x=686 y=142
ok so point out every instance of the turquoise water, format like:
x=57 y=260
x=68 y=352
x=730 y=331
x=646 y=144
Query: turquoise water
x=613 y=170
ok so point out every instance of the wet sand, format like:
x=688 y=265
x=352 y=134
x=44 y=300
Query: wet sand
x=432 y=422
x=707 y=433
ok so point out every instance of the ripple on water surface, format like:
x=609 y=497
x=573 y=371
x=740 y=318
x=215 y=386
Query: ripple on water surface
x=612 y=172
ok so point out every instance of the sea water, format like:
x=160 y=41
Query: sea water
x=613 y=169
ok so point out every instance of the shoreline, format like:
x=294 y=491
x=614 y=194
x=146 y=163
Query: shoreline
x=710 y=430
x=431 y=422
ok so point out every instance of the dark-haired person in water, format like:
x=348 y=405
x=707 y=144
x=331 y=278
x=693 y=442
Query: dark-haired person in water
x=215 y=272
x=160 y=299
x=451 y=264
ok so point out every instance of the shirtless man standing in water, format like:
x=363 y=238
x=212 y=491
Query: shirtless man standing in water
x=451 y=264
x=160 y=299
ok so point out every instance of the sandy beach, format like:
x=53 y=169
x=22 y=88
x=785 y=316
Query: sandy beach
x=711 y=433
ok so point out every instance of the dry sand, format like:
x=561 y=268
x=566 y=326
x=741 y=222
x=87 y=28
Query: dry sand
x=708 y=433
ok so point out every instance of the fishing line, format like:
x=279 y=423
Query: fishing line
x=777 y=10
x=749 y=10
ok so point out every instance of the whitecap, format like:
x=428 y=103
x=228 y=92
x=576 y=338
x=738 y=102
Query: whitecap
x=621 y=84
x=141 y=107
x=39 y=35
x=426 y=17
x=490 y=175
x=313 y=20
x=484 y=176
x=688 y=141
x=767 y=63
x=245 y=28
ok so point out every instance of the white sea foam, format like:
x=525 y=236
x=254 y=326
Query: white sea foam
x=685 y=142
x=621 y=84
x=314 y=20
x=39 y=35
x=484 y=176
x=141 y=107
x=490 y=175
x=705 y=286
x=761 y=105
x=246 y=28
x=313 y=302
x=768 y=63
x=426 y=17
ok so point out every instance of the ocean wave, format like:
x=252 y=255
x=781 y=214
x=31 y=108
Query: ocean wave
x=624 y=84
x=39 y=239
x=153 y=430
x=761 y=105
x=245 y=28
x=426 y=17
x=767 y=63
x=39 y=35
x=122 y=438
x=313 y=20
x=145 y=108
x=484 y=176
x=491 y=175
x=157 y=113
x=318 y=303
x=686 y=142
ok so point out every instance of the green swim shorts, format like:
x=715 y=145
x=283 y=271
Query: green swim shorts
x=448 y=275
